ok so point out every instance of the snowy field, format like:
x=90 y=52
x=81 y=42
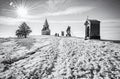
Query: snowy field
x=49 y=57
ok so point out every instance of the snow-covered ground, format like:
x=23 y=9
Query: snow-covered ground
x=49 y=57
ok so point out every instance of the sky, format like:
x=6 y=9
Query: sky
x=61 y=14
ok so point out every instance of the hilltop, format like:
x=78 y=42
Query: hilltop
x=49 y=57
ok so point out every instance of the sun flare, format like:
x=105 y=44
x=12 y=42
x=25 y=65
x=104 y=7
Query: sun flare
x=22 y=11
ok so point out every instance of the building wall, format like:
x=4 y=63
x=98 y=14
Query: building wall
x=46 y=32
x=92 y=29
x=95 y=30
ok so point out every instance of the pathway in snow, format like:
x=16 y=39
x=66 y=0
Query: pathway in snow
x=62 y=58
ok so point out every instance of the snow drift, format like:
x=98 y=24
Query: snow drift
x=49 y=57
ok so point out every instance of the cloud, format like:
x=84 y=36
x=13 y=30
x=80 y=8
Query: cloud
x=10 y=21
x=67 y=21
x=16 y=21
x=53 y=21
x=55 y=4
x=68 y=11
x=72 y=10
x=112 y=21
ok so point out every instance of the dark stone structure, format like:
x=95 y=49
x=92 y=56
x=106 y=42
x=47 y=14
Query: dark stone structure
x=45 y=29
x=57 y=34
x=68 y=31
x=62 y=33
x=92 y=29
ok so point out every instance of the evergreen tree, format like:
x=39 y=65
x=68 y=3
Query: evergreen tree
x=23 y=31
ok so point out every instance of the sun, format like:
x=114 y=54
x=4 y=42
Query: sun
x=22 y=11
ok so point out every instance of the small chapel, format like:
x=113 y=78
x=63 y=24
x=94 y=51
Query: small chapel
x=92 y=29
x=45 y=30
